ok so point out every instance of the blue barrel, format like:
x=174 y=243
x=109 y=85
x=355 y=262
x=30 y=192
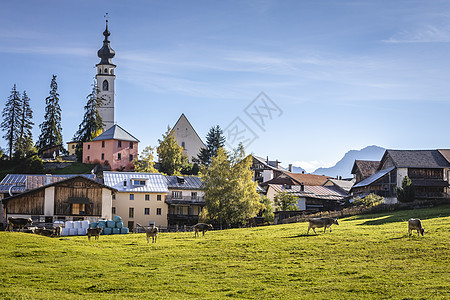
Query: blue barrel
x=101 y=223
x=93 y=225
x=117 y=219
x=124 y=230
x=110 y=224
x=107 y=230
x=119 y=224
x=116 y=230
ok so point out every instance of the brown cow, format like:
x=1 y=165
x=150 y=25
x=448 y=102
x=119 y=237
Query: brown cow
x=19 y=222
x=94 y=232
x=150 y=232
x=202 y=227
x=321 y=222
x=415 y=224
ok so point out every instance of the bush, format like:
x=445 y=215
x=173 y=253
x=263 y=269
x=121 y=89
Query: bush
x=368 y=201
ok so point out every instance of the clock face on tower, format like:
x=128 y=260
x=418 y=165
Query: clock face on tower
x=106 y=100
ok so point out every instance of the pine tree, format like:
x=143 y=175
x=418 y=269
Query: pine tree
x=214 y=140
x=406 y=193
x=170 y=155
x=51 y=127
x=24 y=142
x=92 y=121
x=11 y=119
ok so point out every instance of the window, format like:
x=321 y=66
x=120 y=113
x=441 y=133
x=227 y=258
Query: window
x=179 y=210
x=146 y=211
x=131 y=196
x=119 y=144
x=176 y=195
x=147 y=197
x=131 y=212
x=138 y=182
x=131 y=157
x=124 y=183
x=103 y=144
x=131 y=145
x=183 y=145
x=106 y=71
x=158 y=211
x=103 y=156
x=131 y=225
x=73 y=146
x=89 y=146
x=119 y=156
x=194 y=195
x=158 y=197
x=89 y=158
x=78 y=208
x=114 y=196
x=113 y=210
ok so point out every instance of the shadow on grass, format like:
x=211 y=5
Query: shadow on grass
x=299 y=236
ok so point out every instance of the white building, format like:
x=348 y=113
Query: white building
x=187 y=137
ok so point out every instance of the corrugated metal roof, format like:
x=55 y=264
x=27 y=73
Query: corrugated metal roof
x=346 y=185
x=183 y=182
x=317 y=192
x=154 y=182
x=373 y=178
x=116 y=133
x=26 y=182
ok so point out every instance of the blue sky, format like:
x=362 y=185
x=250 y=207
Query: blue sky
x=344 y=74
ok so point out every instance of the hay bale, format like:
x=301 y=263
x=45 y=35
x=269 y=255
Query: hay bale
x=117 y=219
x=110 y=224
x=124 y=230
x=116 y=230
x=119 y=224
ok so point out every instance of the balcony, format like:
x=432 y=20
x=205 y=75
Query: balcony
x=182 y=217
x=185 y=200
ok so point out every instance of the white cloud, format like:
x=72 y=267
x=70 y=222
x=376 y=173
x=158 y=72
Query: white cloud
x=426 y=34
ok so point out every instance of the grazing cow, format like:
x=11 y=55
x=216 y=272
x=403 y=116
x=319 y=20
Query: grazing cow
x=415 y=224
x=94 y=232
x=151 y=232
x=201 y=227
x=321 y=222
x=19 y=222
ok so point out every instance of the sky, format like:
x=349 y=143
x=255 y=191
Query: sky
x=299 y=81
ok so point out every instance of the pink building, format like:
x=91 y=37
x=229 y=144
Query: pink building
x=114 y=147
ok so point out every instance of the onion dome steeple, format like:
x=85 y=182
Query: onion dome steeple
x=106 y=52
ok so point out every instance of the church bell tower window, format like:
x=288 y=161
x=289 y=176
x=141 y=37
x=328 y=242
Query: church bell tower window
x=105 y=85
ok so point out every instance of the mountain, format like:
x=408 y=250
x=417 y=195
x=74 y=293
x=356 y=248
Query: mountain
x=344 y=166
x=298 y=170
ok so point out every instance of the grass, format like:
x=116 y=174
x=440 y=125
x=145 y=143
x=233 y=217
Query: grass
x=74 y=168
x=368 y=256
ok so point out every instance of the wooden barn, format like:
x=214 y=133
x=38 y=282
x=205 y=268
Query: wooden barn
x=76 y=198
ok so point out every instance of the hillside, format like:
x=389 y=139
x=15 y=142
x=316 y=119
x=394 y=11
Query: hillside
x=344 y=166
x=364 y=257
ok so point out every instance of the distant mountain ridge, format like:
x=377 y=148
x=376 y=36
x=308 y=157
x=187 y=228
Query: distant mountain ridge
x=344 y=166
x=298 y=169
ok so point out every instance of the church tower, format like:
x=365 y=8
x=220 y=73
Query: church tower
x=105 y=81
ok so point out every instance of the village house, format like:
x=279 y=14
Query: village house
x=310 y=199
x=297 y=179
x=185 y=201
x=363 y=169
x=265 y=169
x=342 y=185
x=115 y=148
x=74 y=198
x=140 y=198
x=72 y=148
x=428 y=170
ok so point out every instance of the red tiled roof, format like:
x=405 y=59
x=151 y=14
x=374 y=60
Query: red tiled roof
x=297 y=179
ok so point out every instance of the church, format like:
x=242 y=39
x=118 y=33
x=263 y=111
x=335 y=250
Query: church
x=116 y=148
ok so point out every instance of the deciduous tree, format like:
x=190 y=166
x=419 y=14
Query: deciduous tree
x=145 y=163
x=285 y=201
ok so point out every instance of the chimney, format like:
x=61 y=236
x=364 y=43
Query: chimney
x=290 y=168
x=302 y=188
x=340 y=177
x=276 y=162
x=267 y=160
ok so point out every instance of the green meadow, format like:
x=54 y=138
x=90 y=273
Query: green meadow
x=369 y=256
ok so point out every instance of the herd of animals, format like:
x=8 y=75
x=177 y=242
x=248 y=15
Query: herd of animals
x=152 y=232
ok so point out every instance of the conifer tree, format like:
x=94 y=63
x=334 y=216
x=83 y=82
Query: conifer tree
x=11 y=119
x=24 y=142
x=51 y=131
x=214 y=140
x=92 y=121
